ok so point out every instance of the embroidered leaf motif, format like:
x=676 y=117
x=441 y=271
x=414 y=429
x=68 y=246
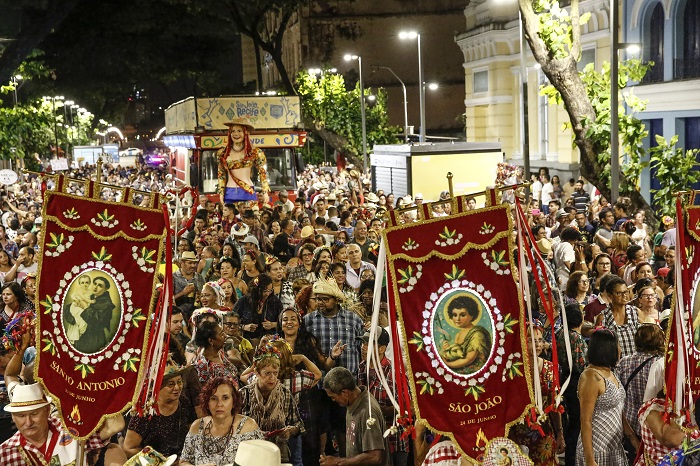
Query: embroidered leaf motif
x=509 y=323
x=102 y=255
x=447 y=234
x=474 y=390
x=47 y=304
x=85 y=369
x=131 y=364
x=417 y=340
x=138 y=225
x=105 y=216
x=456 y=273
x=406 y=274
x=56 y=241
x=147 y=255
x=514 y=369
x=425 y=386
x=49 y=346
x=71 y=213
x=499 y=258
x=137 y=317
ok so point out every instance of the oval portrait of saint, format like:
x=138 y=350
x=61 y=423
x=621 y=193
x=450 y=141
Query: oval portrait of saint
x=91 y=311
x=463 y=331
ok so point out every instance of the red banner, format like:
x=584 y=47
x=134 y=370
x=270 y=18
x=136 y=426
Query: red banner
x=454 y=289
x=95 y=288
x=682 y=374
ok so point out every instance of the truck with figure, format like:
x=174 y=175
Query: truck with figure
x=196 y=130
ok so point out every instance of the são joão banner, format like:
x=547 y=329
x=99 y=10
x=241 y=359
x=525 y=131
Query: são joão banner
x=453 y=286
x=95 y=288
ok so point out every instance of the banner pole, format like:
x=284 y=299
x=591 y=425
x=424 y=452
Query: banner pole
x=80 y=460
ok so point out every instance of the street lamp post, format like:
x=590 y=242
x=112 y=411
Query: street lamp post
x=421 y=83
x=614 y=117
x=15 y=81
x=526 y=121
x=362 y=110
x=405 y=101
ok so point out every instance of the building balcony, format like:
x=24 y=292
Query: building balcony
x=684 y=68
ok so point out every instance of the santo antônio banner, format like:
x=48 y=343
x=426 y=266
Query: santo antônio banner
x=97 y=276
x=455 y=294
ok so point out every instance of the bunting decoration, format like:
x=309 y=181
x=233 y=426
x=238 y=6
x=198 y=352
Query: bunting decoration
x=96 y=314
x=455 y=295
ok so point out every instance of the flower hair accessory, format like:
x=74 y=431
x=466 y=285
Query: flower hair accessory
x=270 y=259
x=266 y=351
x=279 y=339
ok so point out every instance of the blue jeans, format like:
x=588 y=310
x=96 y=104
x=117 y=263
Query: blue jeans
x=294 y=444
x=232 y=195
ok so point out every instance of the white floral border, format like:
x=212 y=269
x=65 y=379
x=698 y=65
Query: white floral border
x=124 y=289
x=428 y=338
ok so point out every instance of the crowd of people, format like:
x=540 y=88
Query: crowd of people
x=272 y=308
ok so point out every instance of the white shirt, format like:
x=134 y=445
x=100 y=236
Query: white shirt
x=536 y=189
x=563 y=252
x=546 y=196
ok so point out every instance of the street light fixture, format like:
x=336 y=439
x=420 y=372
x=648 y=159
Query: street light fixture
x=15 y=81
x=349 y=57
x=433 y=86
x=410 y=35
x=405 y=101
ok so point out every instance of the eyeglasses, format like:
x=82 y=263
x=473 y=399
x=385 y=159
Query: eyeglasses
x=172 y=384
x=307 y=255
x=648 y=296
x=620 y=293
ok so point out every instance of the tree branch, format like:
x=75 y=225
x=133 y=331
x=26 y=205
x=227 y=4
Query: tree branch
x=575 y=30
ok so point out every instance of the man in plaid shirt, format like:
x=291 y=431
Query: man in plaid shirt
x=398 y=446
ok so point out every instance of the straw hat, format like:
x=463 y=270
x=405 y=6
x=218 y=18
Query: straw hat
x=240 y=229
x=258 y=453
x=372 y=197
x=328 y=287
x=240 y=122
x=307 y=231
x=27 y=398
x=189 y=256
x=545 y=246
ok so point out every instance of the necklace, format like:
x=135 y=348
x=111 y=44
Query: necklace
x=211 y=445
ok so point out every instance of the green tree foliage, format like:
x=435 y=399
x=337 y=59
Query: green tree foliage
x=333 y=113
x=632 y=130
x=676 y=170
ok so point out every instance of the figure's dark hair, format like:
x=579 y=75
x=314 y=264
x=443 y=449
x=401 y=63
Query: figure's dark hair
x=603 y=348
x=464 y=302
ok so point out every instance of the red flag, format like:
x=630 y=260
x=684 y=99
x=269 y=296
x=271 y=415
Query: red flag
x=455 y=292
x=95 y=288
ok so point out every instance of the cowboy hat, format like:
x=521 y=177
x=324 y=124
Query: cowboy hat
x=251 y=240
x=240 y=122
x=189 y=256
x=240 y=229
x=307 y=231
x=27 y=398
x=354 y=173
x=372 y=197
x=545 y=246
x=258 y=453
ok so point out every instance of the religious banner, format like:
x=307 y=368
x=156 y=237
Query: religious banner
x=682 y=374
x=95 y=301
x=456 y=297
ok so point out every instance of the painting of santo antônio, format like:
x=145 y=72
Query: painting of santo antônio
x=91 y=311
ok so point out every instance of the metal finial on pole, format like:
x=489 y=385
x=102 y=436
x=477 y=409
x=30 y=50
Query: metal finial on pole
x=98 y=175
x=449 y=182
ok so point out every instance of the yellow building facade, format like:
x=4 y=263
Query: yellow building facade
x=493 y=87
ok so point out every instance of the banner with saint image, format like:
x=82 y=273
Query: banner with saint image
x=97 y=277
x=453 y=286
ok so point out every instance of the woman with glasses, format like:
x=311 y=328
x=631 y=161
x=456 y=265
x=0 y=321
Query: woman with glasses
x=578 y=289
x=647 y=303
x=165 y=432
x=644 y=271
x=259 y=309
x=602 y=265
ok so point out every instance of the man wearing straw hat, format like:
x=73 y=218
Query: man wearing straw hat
x=41 y=439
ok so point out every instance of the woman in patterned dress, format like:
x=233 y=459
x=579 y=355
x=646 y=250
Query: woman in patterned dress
x=544 y=445
x=215 y=438
x=602 y=399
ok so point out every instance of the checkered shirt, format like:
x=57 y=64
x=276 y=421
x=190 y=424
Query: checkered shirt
x=289 y=407
x=374 y=385
x=634 y=393
x=295 y=273
x=625 y=333
x=345 y=326
x=301 y=380
x=443 y=454
x=13 y=454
